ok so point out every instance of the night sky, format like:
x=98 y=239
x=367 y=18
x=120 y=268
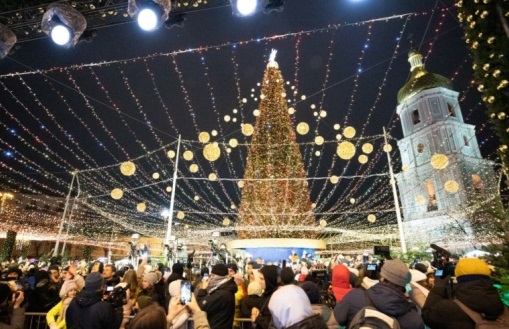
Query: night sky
x=128 y=94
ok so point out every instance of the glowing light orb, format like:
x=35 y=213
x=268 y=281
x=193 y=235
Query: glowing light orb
x=323 y=114
x=313 y=106
x=181 y=215
x=302 y=128
x=188 y=155
x=244 y=100
x=291 y=110
x=256 y=113
x=439 y=161
x=323 y=223
x=371 y=218
x=171 y=154
x=313 y=205
x=247 y=129
x=61 y=35
x=387 y=148
x=303 y=97
x=319 y=140
x=147 y=19
x=318 y=153
x=334 y=179
x=352 y=200
x=363 y=158
x=451 y=186
x=233 y=142
x=349 y=132
x=212 y=152
x=212 y=177
x=141 y=207
x=367 y=148
x=196 y=198
x=345 y=150
x=193 y=168
x=168 y=188
x=226 y=221
x=337 y=126
x=227 y=118
x=155 y=175
x=204 y=137
x=117 y=194
x=127 y=168
x=240 y=183
x=213 y=132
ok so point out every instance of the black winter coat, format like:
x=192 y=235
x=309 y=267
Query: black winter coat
x=313 y=322
x=247 y=304
x=88 y=311
x=219 y=305
x=442 y=313
x=386 y=299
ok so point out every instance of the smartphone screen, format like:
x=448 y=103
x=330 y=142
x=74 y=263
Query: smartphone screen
x=109 y=288
x=205 y=276
x=439 y=272
x=371 y=267
x=185 y=292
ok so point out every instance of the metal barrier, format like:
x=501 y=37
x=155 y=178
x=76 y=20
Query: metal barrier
x=34 y=320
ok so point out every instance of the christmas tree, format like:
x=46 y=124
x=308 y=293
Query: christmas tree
x=275 y=196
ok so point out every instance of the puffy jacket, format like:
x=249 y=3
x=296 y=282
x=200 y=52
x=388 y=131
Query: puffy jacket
x=340 y=282
x=479 y=295
x=219 y=305
x=88 y=311
x=386 y=299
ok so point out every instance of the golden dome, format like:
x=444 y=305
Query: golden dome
x=420 y=79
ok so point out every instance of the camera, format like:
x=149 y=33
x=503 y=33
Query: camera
x=371 y=267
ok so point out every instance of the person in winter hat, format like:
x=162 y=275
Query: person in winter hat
x=298 y=313
x=388 y=296
x=340 y=281
x=216 y=297
x=89 y=311
x=474 y=289
x=253 y=299
x=55 y=318
x=149 y=288
x=268 y=278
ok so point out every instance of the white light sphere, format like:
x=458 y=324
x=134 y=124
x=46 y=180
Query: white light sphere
x=147 y=19
x=246 y=7
x=60 y=35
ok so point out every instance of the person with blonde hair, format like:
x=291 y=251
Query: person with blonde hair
x=55 y=318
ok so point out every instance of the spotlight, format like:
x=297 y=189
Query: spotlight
x=243 y=8
x=150 y=14
x=7 y=41
x=63 y=23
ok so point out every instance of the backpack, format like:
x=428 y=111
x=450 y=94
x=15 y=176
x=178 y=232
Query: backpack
x=370 y=317
x=481 y=322
x=118 y=297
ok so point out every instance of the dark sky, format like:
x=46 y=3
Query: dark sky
x=129 y=94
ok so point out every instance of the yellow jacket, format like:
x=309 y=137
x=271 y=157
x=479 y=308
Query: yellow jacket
x=56 y=312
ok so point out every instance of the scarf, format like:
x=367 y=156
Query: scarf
x=216 y=282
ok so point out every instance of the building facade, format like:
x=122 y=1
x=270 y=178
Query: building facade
x=444 y=177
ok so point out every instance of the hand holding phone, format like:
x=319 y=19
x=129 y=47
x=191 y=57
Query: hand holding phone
x=185 y=292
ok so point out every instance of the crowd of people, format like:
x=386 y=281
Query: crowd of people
x=345 y=294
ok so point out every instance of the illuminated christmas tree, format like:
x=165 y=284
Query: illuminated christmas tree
x=275 y=193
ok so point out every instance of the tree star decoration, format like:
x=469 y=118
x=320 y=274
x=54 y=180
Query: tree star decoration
x=272 y=59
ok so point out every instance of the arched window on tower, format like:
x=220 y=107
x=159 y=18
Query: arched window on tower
x=432 y=199
x=452 y=111
x=416 y=118
x=465 y=140
x=477 y=183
